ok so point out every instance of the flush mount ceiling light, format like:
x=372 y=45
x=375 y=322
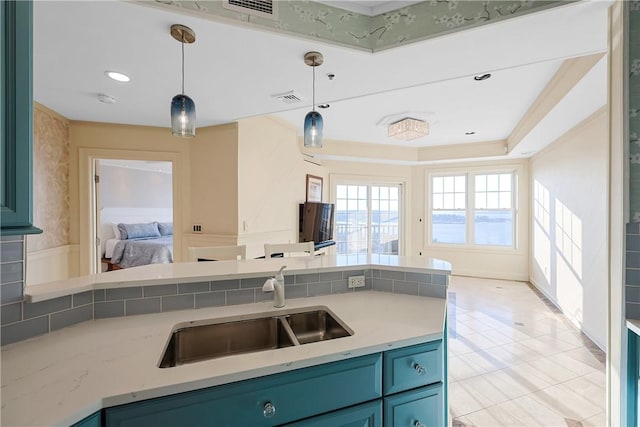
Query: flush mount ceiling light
x=183 y=109
x=408 y=129
x=313 y=120
x=119 y=77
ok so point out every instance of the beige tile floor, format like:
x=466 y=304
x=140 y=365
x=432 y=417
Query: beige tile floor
x=515 y=360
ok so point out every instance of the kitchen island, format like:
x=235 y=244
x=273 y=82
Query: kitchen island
x=64 y=376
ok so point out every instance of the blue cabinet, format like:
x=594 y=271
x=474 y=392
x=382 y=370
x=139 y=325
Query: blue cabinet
x=396 y=388
x=412 y=367
x=16 y=118
x=366 y=415
x=267 y=401
x=421 y=407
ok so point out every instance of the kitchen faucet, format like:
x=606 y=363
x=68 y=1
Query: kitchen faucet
x=276 y=285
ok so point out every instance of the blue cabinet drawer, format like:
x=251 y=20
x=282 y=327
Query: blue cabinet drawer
x=365 y=415
x=267 y=401
x=421 y=407
x=411 y=367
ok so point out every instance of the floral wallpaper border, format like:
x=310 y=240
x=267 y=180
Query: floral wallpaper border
x=406 y=25
x=634 y=109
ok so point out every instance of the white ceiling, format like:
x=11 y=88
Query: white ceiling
x=232 y=71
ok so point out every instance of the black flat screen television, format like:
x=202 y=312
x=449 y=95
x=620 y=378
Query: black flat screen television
x=316 y=222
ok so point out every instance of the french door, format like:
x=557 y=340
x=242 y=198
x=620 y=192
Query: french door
x=368 y=218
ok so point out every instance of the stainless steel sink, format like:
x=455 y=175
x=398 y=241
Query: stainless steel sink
x=318 y=325
x=209 y=339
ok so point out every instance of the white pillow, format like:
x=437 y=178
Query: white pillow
x=116 y=231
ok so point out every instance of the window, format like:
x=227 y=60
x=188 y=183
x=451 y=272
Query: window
x=367 y=219
x=473 y=208
x=449 y=217
x=493 y=216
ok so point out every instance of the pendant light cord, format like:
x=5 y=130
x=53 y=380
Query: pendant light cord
x=314 y=85
x=182 y=63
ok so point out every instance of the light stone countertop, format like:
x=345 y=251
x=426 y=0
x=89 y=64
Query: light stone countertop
x=184 y=272
x=62 y=377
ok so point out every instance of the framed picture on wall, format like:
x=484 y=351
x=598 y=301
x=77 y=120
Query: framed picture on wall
x=314 y=188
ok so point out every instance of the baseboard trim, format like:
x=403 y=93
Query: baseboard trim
x=573 y=320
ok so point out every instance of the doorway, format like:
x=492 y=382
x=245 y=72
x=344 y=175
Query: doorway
x=89 y=223
x=129 y=192
x=368 y=219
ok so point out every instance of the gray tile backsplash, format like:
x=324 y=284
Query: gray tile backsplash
x=11 y=313
x=133 y=307
x=11 y=271
x=124 y=293
x=71 y=317
x=408 y=288
x=632 y=272
x=193 y=288
x=21 y=320
x=26 y=329
x=240 y=296
x=220 y=285
x=316 y=289
x=159 y=290
x=11 y=292
x=178 y=302
x=12 y=251
x=211 y=299
x=103 y=310
x=82 y=298
x=36 y=309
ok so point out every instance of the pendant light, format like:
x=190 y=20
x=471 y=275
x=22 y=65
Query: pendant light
x=313 y=119
x=183 y=110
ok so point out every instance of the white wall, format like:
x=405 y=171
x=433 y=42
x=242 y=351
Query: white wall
x=122 y=187
x=271 y=183
x=568 y=258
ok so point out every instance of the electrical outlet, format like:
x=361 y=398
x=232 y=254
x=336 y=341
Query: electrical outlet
x=197 y=228
x=356 y=281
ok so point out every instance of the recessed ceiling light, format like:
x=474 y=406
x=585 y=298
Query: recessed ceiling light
x=481 y=77
x=470 y=133
x=324 y=106
x=119 y=77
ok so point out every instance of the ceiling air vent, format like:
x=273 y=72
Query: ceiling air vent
x=261 y=8
x=291 y=97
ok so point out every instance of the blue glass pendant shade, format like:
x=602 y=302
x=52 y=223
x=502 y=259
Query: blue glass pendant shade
x=313 y=130
x=183 y=116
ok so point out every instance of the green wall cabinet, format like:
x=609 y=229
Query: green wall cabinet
x=400 y=386
x=91 y=421
x=633 y=377
x=16 y=118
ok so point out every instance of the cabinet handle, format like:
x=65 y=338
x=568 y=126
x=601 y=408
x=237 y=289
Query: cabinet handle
x=269 y=410
x=418 y=424
x=421 y=370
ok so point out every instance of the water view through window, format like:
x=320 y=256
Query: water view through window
x=488 y=217
x=367 y=219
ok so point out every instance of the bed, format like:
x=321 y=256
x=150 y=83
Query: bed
x=136 y=236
